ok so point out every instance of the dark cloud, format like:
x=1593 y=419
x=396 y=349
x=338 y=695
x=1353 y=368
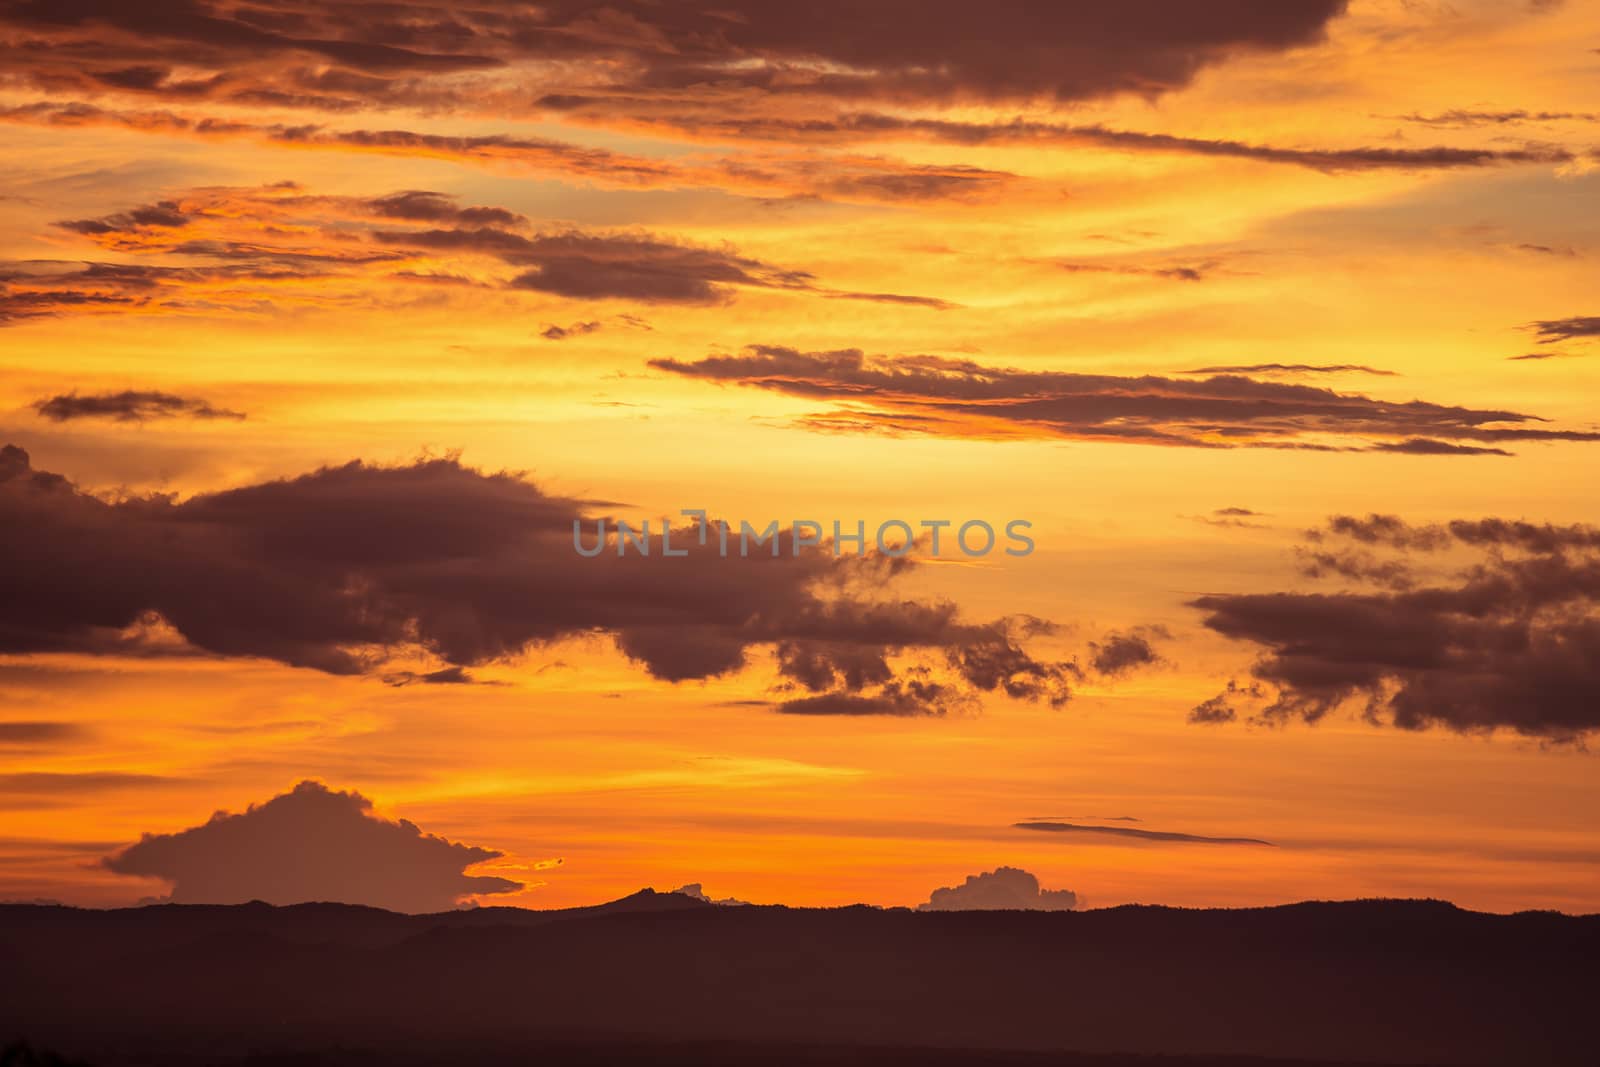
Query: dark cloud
x=992 y=659
x=1236 y=518
x=162 y=216
x=561 y=333
x=1550 y=331
x=1427 y=446
x=311 y=844
x=1121 y=653
x=130 y=405
x=1176 y=272
x=940 y=396
x=1394 y=532
x=346 y=568
x=420 y=205
x=1138 y=835
x=1294 y=368
x=1510 y=641
x=920 y=699
x=43 y=290
x=644 y=268
x=1002 y=889
x=870 y=126
x=30 y=733
x=1465 y=118
x=1547 y=354
x=68 y=784
x=1356 y=564
x=1224 y=707
x=442 y=676
x=346 y=54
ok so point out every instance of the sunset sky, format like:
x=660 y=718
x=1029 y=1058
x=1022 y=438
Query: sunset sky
x=1277 y=319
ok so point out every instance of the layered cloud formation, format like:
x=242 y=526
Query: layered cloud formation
x=946 y=397
x=220 y=250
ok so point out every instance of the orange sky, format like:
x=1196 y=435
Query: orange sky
x=1281 y=261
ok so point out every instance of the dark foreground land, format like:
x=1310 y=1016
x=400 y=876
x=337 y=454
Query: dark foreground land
x=663 y=979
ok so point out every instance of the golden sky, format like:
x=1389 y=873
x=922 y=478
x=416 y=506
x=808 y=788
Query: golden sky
x=1278 y=322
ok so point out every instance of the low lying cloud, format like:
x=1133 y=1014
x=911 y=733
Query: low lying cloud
x=1051 y=827
x=875 y=126
x=940 y=396
x=39 y=732
x=1002 y=889
x=130 y=405
x=311 y=844
x=1547 y=354
x=1177 y=272
x=75 y=783
x=1295 y=368
x=1473 y=625
x=1464 y=118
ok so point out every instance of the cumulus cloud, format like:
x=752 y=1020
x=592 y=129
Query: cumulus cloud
x=940 y=396
x=1472 y=625
x=311 y=844
x=1002 y=889
x=696 y=891
x=348 y=568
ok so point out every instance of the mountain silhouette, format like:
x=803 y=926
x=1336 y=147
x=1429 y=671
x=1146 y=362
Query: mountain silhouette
x=656 y=976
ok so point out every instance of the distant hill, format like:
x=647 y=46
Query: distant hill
x=1396 y=982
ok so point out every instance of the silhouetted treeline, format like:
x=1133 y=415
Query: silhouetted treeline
x=1397 y=982
x=22 y=1054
